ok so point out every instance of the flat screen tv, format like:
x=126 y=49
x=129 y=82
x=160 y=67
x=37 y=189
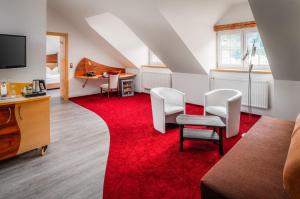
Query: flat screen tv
x=12 y=51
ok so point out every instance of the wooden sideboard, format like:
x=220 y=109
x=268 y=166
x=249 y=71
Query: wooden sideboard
x=24 y=125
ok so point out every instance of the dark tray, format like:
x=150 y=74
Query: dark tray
x=35 y=94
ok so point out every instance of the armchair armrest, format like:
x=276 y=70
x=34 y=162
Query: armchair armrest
x=234 y=98
x=178 y=98
x=233 y=105
x=158 y=111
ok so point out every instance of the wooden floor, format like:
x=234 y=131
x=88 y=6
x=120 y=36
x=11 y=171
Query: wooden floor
x=74 y=166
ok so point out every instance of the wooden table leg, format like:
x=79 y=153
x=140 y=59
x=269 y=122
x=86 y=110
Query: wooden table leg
x=221 y=150
x=181 y=138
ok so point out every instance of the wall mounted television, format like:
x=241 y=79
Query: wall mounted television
x=12 y=51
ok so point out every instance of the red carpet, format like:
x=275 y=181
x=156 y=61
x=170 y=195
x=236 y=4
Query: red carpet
x=143 y=163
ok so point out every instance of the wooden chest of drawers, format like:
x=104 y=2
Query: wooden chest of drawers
x=24 y=126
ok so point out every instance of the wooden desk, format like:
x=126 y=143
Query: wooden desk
x=97 y=77
x=24 y=125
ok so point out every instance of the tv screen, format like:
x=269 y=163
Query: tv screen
x=12 y=51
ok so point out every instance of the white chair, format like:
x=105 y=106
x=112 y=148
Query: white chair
x=166 y=104
x=112 y=84
x=225 y=103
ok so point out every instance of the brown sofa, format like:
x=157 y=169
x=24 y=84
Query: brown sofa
x=253 y=168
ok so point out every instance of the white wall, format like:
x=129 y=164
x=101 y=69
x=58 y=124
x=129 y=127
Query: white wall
x=155 y=77
x=144 y=18
x=121 y=37
x=79 y=47
x=287 y=99
x=162 y=73
x=284 y=95
x=193 y=85
x=237 y=13
x=279 y=30
x=278 y=24
x=26 y=18
x=53 y=44
x=193 y=21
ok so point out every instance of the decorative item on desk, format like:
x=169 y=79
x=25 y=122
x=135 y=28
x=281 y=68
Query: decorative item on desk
x=90 y=74
x=34 y=91
x=27 y=90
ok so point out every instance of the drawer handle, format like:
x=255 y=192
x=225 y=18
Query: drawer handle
x=9 y=117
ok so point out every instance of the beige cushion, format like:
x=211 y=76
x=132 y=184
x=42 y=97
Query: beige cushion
x=291 y=173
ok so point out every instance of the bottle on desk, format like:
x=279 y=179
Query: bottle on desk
x=3 y=89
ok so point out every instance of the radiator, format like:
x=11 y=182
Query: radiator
x=156 y=79
x=259 y=93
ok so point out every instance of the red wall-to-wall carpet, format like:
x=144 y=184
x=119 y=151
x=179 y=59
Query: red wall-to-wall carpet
x=143 y=163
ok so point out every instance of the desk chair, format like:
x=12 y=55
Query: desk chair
x=112 y=84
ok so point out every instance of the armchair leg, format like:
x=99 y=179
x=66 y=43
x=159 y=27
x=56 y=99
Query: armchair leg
x=181 y=139
x=221 y=149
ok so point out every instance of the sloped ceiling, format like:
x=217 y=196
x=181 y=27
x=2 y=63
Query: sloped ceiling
x=146 y=20
x=75 y=15
x=156 y=27
x=193 y=21
x=278 y=24
x=117 y=33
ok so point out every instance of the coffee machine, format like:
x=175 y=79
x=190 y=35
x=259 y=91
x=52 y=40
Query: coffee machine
x=38 y=86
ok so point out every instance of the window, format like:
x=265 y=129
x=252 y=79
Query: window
x=232 y=46
x=230 y=49
x=154 y=60
x=260 y=60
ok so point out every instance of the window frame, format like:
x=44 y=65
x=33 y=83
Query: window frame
x=244 y=64
x=219 y=34
x=150 y=63
x=262 y=66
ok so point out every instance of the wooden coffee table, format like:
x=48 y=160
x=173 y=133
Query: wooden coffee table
x=186 y=133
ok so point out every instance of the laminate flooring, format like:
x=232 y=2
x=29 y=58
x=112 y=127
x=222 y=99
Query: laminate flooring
x=75 y=162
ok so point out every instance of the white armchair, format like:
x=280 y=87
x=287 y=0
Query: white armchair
x=166 y=104
x=225 y=103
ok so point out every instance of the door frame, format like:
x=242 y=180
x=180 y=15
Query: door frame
x=66 y=65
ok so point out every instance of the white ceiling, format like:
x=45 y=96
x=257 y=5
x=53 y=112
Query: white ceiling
x=145 y=19
x=113 y=30
x=87 y=8
x=281 y=39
